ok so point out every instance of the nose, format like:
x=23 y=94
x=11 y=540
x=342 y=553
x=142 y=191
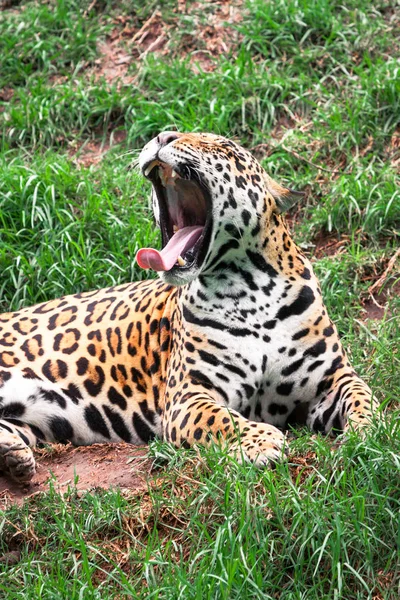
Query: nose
x=166 y=137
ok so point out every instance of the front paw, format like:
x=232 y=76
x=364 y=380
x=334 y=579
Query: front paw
x=262 y=445
x=16 y=458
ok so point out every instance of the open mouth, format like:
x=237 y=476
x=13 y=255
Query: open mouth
x=185 y=218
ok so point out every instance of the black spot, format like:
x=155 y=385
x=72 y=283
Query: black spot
x=284 y=389
x=241 y=182
x=156 y=363
x=249 y=390
x=4 y=376
x=127 y=390
x=52 y=396
x=239 y=166
x=95 y=421
x=201 y=379
x=235 y=331
x=279 y=409
x=61 y=429
x=323 y=385
x=253 y=197
x=300 y=334
x=236 y=370
x=198 y=418
x=62 y=369
x=292 y=368
x=303 y=301
x=316 y=349
x=147 y=412
x=246 y=216
x=13 y=409
x=261 y=264
x=3 y=427
x=232 y=244
x=46 y=370
x=328 y=331
x=117 y=423
x=94 y=387
x=184 y=421
x=73 y=392
x=216 y=344
x=142 y=429
x=315 y=365
x=82 y=365
x=317 y=426
x=329 y=411
x=116 y=398
x=28 y=373
x=267 y=289
x=59 y=337
x=198 y=433
x=37 y=432
x=173 y=434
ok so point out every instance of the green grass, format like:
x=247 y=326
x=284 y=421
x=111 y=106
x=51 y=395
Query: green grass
x=317 y=85
x=322 y=526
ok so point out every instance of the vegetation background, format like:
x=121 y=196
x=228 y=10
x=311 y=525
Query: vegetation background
x=312 y=87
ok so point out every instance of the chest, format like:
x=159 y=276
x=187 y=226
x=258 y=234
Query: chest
x=266 y=370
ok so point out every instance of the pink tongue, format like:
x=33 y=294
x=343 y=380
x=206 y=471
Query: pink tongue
x=182 y=240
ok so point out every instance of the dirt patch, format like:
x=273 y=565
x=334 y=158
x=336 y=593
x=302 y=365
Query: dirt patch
x=92 y=152
x=97 y=466
x=197 y=30
x=375 y=306
x=393 y=150
x=113 y=62
x=329 y=244
x=6 y=94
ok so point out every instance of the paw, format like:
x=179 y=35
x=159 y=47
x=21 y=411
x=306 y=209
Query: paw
x=16 y=458
x=261 y=446
x=359 y=424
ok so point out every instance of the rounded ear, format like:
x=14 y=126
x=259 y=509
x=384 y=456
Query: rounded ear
x=285 y=198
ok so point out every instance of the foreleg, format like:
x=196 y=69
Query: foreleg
x=197 y=418
x=349 y=403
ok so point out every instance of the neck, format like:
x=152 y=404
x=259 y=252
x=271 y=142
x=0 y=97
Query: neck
x=251 y=289
x=243 y=267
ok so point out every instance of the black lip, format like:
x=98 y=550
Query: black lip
x=199 y=250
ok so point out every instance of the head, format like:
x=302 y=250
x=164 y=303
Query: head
x=209 y=196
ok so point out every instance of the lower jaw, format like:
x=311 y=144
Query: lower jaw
x=178 y=277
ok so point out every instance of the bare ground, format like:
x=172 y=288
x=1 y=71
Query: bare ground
x=88 y=467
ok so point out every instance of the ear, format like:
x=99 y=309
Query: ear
x=285 y=198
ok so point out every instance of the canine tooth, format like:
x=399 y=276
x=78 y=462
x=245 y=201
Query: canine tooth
x=150 y=167
x=174 y=174
x=181 y=261
x=175 y=228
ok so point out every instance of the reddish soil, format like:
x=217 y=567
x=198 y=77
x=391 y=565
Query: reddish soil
x=97 y=466
x=92 y=152
x=375 y=306
x=330 y=244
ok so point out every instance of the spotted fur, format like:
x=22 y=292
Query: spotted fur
x=234 y=349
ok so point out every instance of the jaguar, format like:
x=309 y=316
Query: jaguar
x=230 y=345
